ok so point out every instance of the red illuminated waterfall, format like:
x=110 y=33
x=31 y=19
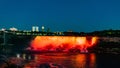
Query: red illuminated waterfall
x=62 y=43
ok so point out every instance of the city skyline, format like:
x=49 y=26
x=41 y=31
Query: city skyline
x=60 y=15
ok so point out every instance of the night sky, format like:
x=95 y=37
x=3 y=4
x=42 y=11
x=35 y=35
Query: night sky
x=61 y=15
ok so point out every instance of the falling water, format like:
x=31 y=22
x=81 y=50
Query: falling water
x=62 y=43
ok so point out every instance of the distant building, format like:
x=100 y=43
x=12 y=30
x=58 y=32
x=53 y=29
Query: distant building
x=13 y=29
x=43 y=28
x=35 y=29
x=3 y=29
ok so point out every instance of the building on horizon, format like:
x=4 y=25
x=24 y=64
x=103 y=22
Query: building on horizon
x=43 y=28
x=35 y=28
x=13 y=29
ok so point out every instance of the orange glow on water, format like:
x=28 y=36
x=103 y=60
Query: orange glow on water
x=62 y=43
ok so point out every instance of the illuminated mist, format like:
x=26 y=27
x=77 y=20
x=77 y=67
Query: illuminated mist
x=62 y=43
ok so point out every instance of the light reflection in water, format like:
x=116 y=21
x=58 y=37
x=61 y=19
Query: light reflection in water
x=68 y=61
x=92 y=61
x=80 y=61
x=85 y=61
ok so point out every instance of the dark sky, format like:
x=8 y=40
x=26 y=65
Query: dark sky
x=61 y=15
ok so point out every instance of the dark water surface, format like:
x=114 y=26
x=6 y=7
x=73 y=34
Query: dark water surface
x=75 y=61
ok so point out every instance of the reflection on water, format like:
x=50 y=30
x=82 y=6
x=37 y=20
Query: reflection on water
x=62 y=59
x=85 y=61
x=68 y=61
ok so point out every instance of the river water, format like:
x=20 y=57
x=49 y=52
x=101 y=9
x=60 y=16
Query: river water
x=73 y=61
